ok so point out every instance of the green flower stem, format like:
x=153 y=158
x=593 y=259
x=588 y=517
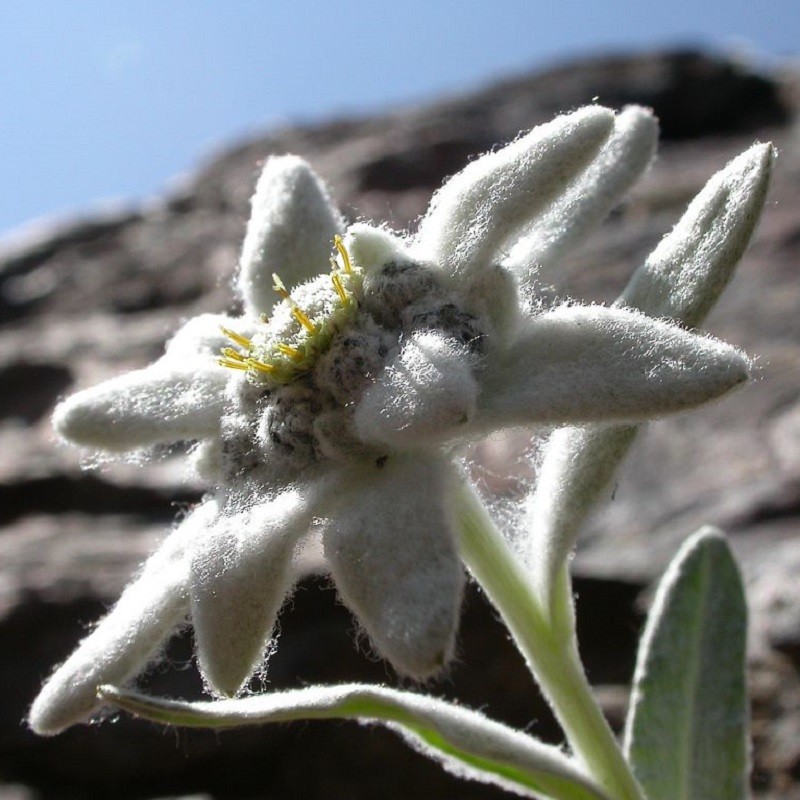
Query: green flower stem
x=548 y=645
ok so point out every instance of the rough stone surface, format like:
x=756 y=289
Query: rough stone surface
x=95 y=297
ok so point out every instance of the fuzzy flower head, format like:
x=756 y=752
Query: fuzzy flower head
x=338 y=401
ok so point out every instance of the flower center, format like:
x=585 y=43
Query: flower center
x=308 y=365
x=302 y=325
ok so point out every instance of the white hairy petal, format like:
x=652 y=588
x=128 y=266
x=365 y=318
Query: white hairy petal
x=573 y=476
x=180 y=396
x=240 y=576
x=167 y=402
x=621 y=162
x=392 y=554
x=426 y=392
x=588 y=364
x=686 y=273
x=465 y=742
x=291 y=228
x=123 y=643
x=682 y=279
x=493 y=200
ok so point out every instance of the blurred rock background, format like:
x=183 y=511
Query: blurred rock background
x=94 y=297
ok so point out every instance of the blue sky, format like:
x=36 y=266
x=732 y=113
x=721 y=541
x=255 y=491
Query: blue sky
x=106 y=101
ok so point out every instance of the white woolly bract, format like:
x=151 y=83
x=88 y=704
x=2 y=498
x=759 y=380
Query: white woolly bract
x=685 y=275
x=582 y=364
x=166 y=402
x=427 y=393
x=622 y=161
x=178 y=397
x=291 y=227
x=464 y=741
x=682 y=279
x=495 y=198
x=240 y=576
x=572 y=478
x=391 y=551
x=123 y=643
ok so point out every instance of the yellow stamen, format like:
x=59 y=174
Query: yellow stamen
x=260 y=366
x=264 y=318
x=297 y=312
x=280 y=288
x=339 y=245
x=301 y=317
x=288 y=350
x=240 y=340
x=231 y=364
x=232 y=354
x=337 y=284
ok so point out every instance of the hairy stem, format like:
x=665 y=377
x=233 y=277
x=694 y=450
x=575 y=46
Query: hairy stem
x=549 y=645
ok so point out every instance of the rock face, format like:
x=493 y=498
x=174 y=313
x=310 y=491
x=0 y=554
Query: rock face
x=97 y=297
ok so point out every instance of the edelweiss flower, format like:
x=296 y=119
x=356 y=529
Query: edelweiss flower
x=343 y=409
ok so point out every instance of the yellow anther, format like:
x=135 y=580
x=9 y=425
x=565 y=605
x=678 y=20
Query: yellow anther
x=240 y=340
x=303 y=319
x=337 y=284
x=339 y=245
x=232 y=354
x=231 y=364
x=264 y=318
x=260 y=366
x=280 y=288
x=297 y=312
x=288 y=350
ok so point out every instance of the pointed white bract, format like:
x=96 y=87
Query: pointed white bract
x=341 y=396
x=179 y=397
x=582 y=364
x=163 y=403
x=240 y=576
x=681 y=280
x=685 y=275
x=622 y=161
x=573 y=477
x=495 y=199
x=125 y=642
x=291 y=226
x=392 y=553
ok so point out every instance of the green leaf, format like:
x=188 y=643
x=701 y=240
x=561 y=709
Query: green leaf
x=686 y=733
x=465 y=742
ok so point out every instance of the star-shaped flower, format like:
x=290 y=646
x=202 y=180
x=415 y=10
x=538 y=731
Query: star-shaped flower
x=343 y=410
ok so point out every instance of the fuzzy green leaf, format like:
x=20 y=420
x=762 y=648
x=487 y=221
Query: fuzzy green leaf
x=465 y=742
x=686 y=733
